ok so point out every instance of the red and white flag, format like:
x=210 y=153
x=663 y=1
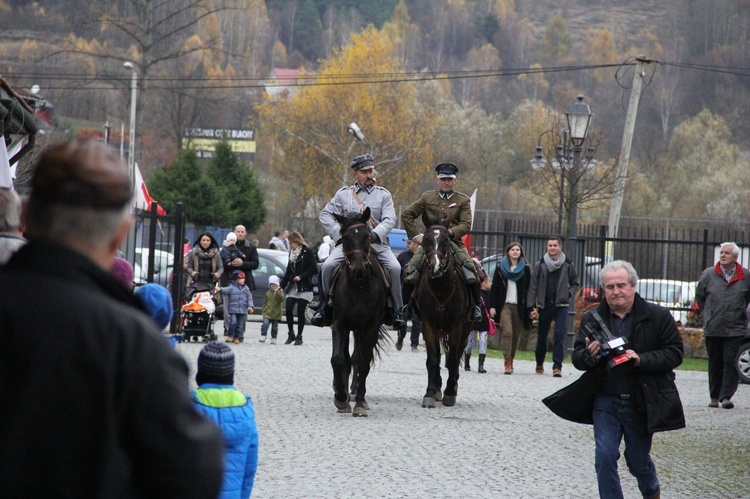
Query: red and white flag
x=467 y=238
x=142 y=199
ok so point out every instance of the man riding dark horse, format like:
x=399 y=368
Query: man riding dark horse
x=354 y=199
x=447 y=204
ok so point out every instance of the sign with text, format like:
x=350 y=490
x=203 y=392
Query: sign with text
x=204 y=140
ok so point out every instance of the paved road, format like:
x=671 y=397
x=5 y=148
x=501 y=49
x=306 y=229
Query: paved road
x=499 y=441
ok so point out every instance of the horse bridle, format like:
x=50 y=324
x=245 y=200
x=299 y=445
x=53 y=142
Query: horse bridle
x=436 y=251
x=366 y=254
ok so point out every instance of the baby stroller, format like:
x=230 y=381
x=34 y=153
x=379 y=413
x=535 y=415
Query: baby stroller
x=197 y=316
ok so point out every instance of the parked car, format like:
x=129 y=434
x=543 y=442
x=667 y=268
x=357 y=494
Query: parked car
x=743 y=360
x=489 y=263
x=163 y=266
x=677 y=296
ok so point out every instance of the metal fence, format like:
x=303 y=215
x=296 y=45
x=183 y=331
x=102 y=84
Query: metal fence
x=154 y=247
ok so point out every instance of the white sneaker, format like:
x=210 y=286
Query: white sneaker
x=262 y=339
x=273 y=341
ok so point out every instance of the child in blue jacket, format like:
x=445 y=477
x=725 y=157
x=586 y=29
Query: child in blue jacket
x=239 y=304
x=233 y=413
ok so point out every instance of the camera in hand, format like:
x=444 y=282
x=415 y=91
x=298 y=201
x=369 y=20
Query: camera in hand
x=610 y=346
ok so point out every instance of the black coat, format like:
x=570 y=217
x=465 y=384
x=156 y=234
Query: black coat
x=305 y=267
x=95 y=403
x=249 y=263
x=500 y=288
x=656 y=402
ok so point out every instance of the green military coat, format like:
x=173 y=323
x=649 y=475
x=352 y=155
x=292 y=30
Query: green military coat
x=431 y=205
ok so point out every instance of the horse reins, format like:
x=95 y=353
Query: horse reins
x=348 y=253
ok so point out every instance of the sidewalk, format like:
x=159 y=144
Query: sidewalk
x=499 y=441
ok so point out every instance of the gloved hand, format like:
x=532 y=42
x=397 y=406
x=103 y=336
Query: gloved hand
x=374 y=238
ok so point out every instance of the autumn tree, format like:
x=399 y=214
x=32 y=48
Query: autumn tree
x=311 y=147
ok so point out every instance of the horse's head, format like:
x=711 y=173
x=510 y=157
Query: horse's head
x=436 y=248
x=355 y=235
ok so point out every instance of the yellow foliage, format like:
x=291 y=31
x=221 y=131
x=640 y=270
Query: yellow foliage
x=505 y=10
x=311 y=145
x=29 y=49
x=601 y=51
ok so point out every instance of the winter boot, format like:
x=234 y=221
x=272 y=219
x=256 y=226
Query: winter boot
x=467 y=366
x=290 y=339
x=298 y=340
x=481 y=363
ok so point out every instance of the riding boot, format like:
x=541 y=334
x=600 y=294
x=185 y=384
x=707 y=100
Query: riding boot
x=467 y=366
x=406 y=290
x=298 y=340
x=323 y=316
x=481 y=363
x=290 y=339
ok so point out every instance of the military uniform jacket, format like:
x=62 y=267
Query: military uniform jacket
x=377 y=198
x=431 y=205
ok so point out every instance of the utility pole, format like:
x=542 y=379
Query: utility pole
x=622 y=165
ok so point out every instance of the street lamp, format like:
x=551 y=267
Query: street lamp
x=131 y=140
x=568 y=162
x=355 y=132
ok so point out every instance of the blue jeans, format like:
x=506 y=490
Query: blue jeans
x=614 y=418
x=560 y=315
x=274 y=327
x=236 y=323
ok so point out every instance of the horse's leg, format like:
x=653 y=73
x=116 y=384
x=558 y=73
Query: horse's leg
x=456 y=346
x=341 y=364
x=432 y=345
x=364 y=344
x=355 y=374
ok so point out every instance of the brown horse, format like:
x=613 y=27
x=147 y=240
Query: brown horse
x=359 y=293
x=443 y=301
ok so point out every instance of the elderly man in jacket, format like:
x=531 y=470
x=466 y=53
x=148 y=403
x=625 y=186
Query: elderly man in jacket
x=722 y=294
x=634 y=394
x=94 y=402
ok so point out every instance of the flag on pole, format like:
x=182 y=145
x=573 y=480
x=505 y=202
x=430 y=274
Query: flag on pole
x=467 y=238
x=142 y=198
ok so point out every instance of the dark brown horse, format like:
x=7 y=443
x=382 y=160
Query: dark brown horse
x=443 y=301
x=359 y=293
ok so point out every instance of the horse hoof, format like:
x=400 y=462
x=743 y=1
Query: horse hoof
x=438 y=396
x=342 y=405
x=449 y=400
x=429 y=402
x=360 y=412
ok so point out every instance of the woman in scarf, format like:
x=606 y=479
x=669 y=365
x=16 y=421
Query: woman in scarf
x=204 y=260
x=297 y=284
x=508 y=300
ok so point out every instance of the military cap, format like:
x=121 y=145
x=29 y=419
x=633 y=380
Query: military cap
x=363 y=162
x=446 y=170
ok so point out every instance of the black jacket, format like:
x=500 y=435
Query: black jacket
x=94 y=402
x=655 y=338
x=249 y=263
x=305 y=267
x=500 y=288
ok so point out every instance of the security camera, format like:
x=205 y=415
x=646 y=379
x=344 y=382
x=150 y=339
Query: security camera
x=355 y=131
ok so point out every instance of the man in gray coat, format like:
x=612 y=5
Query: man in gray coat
x=723 y=292
x=354 y=199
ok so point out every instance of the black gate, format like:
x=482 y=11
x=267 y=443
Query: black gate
x=155 y=248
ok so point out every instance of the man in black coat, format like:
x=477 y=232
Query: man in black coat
x=632 y=394
x=416 y=325
x=94 y=402
x=246 y=264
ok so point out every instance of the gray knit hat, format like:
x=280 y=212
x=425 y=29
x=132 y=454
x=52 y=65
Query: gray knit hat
x=216 y=360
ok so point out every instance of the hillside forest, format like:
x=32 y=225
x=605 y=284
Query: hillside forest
x=479 y=83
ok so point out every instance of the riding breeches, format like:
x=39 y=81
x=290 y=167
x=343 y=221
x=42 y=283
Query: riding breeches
x=385 y=257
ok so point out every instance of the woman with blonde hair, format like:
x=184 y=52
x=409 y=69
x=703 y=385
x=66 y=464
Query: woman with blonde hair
x=297 y=284
x=508 y=299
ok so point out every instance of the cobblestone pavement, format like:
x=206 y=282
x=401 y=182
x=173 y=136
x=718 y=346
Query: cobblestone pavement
x=498 y=441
